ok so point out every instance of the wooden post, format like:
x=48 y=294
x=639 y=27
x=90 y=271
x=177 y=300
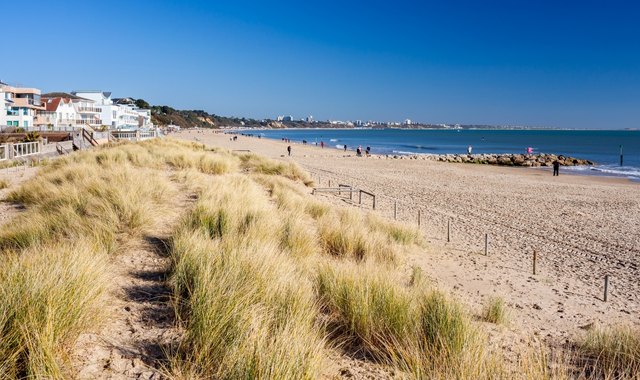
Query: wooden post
x=448 y=230
x=535 y=255
x=486 y=244
x=395 y=210
x=606 y=287
x=374 y=202
x=360 y=197
x=419 y=217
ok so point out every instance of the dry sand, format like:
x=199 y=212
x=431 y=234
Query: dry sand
x=582 y=228
x=13 y=177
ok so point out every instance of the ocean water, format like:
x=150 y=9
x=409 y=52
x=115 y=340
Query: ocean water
x=599 y=146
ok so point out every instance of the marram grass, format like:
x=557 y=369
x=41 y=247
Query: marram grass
x=266 y=278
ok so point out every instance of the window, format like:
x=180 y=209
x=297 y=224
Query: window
x=26 y=123
x=25 y=111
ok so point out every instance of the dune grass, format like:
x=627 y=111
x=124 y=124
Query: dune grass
x=418 y=330
x=80 y=209
x=248 y=312
x=495 y=311
x=266 y=278
x=611 y=353
x=258 y=254
x=3 y=184
x=50 y=294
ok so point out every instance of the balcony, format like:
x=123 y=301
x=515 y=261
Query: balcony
x=89 y=109
x=89 y=122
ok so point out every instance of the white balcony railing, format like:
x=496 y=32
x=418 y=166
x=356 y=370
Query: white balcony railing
x=89 y=109
x=4 y=152
x=25 y=149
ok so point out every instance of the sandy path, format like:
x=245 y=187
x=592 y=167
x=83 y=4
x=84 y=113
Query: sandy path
x=141 y=327
x=14 y=177
x=582 y=228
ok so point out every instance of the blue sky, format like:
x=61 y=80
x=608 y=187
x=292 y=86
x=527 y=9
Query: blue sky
x=575 y=64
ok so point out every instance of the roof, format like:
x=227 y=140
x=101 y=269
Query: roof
x=61 y=95
x=105 y=94
x=52 y=104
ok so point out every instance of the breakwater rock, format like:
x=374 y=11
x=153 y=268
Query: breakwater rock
x=530 y=160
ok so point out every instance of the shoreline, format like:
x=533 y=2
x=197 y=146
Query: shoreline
x=587 y=175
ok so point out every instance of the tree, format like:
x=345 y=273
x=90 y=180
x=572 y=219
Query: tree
x=141 y=103
x=31 y=136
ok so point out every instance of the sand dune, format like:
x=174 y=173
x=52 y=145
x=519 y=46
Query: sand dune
x=582 y=228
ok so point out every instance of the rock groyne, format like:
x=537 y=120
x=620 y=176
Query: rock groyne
x=529 y=160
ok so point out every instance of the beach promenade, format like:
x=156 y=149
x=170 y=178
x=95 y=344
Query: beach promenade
x=582 y=228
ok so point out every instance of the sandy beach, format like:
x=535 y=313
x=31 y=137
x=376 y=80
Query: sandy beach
x=581 y=227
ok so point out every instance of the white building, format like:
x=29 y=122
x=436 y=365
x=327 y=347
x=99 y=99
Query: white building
x=4 y=107
x=69 y=111
x=20 y=105
x=407 y=122
x=125 y=116
x=102 y=100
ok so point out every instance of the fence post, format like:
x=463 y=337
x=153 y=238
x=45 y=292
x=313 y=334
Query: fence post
x=419 y=218
x=374 y=202
x=606 y=287
x=535 y=256
x=360 y=197
x=448 y=230
x=395 y=210
x=486 y=244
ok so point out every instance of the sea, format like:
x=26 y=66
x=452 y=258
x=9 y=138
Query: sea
x=603 y=147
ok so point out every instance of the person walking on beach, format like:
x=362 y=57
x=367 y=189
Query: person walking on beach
x=345 y=147
x=556 y=167
x=469 y=149
x=322 y=144
x=368 y=151
x=289 y=150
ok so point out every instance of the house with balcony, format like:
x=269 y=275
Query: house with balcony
x=23 y=103
x=117 y=114
x=109 y=111
x=65 y=111
x=59 y=113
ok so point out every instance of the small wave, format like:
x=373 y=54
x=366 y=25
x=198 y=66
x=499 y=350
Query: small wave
x=405 y=152
x=333 y=140
x=616 y=171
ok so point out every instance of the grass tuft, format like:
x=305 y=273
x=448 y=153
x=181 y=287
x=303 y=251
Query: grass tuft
x=495 y=311
x=612 y=353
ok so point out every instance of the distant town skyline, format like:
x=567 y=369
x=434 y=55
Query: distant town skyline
x=568 y=65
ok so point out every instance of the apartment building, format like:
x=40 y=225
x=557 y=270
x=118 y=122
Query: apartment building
x=102 y=100
x=125 y=115
x=21 y=104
